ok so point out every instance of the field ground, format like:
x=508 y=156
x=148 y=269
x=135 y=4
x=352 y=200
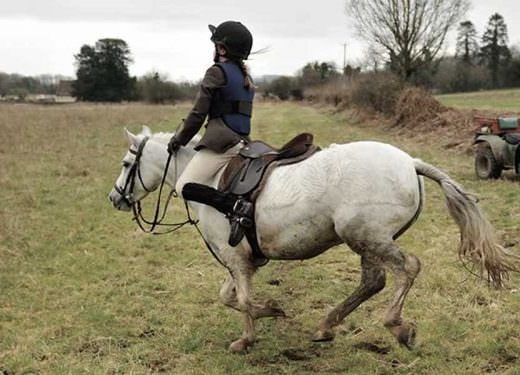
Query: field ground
x=496 y=100
x=83 y=291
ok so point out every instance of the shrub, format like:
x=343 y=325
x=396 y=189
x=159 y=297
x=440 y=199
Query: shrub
x=457 y=76
x=377 y=91
x=281 y=87
x=336 y=92
x=152 y=88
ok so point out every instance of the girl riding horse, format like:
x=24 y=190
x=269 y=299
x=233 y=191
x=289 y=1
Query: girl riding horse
x=226 y=96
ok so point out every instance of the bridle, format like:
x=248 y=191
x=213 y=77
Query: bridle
x=130 y=178
x=126 y=193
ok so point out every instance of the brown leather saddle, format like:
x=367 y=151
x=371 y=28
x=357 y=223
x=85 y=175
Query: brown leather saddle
x=246 y=173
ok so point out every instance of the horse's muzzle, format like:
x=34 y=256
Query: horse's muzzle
x=118 y=201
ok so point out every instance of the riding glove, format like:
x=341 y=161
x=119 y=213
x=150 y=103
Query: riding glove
x=173 y=145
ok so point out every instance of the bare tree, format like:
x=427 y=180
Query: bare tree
x=411 y=32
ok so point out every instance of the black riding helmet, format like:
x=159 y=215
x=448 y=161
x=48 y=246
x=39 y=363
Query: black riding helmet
x=234 y=36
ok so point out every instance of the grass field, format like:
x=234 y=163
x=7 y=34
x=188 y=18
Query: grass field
x=83 y=291
x=496 y=100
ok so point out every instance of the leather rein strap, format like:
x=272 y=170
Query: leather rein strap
x=127 y=191
x=135 y=170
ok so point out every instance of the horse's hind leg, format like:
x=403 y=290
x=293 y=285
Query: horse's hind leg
x=405 y=268
x=228 y=296
x=372 y=281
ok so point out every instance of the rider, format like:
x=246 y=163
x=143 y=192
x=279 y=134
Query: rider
x=225 y=96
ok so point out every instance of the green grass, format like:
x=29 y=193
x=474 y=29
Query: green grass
x=83 y=291
x=496 y=100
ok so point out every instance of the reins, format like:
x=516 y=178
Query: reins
x=158 y=216
x=128 y=188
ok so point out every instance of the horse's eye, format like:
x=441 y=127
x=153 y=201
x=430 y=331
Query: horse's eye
x=125 y=164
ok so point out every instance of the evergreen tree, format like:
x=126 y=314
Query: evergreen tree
x=102 y=73
x=467 y=45
x=494 y=51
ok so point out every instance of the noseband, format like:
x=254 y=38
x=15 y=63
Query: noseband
x=126 y=193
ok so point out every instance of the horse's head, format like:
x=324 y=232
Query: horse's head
x=135 y=181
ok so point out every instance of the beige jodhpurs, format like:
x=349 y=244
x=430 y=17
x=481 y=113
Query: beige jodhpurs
x=204 y=166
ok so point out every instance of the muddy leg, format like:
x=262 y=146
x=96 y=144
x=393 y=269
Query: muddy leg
x=228 y=296
x=405 y=268
x=372 y=281
x=242 y=281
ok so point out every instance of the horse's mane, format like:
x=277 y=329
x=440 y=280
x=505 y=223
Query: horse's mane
x=164 y=137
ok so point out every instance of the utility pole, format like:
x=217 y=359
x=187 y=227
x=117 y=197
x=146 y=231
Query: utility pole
x=344 y=56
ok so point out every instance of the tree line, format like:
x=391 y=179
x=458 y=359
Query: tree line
x=102 y=75
x=21 y=86
x=405 y=39
x=487 y=63
x=406 y=42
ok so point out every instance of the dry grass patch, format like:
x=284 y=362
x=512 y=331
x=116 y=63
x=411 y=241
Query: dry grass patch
x=83 y=291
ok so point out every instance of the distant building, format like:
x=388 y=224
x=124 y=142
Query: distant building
x=40 y=98
x=64 y=92
x=64 y=88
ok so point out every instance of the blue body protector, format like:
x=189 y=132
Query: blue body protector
x=233 y=102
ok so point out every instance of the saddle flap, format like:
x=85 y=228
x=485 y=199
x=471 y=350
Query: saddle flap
x=249 y=177
x=245 y=172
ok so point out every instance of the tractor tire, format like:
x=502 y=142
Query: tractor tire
x=486 y=165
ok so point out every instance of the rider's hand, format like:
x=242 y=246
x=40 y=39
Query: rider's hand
x=173 y=145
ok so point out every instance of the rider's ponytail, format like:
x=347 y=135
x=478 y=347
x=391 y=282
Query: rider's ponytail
x=248 y=82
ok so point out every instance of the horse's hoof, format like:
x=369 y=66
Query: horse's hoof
x=323 y=335
x=406 y=335
x=240 y=346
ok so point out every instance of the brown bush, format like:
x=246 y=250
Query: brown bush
x=419 y=113
x=416 y=107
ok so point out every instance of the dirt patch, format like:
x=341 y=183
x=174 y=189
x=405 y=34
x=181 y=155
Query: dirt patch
x=296 y=354
x=373 y=347
x=160 y=361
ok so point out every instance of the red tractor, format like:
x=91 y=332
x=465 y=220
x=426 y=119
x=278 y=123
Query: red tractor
x=497 y=142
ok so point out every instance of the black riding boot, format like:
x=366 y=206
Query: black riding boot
x=238 y=210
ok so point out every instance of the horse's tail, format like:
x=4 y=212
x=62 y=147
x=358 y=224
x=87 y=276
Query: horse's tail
x=478 y=243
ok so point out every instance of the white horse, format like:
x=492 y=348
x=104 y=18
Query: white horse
x=363 y=194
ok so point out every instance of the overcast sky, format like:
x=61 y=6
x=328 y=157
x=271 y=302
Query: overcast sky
x=171 y=36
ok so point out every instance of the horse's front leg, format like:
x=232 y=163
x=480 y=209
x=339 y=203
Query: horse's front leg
x=228 y=296
x=242 y=280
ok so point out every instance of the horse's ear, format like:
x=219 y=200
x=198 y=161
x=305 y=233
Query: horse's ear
x=132 y=139
x=146 y=131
